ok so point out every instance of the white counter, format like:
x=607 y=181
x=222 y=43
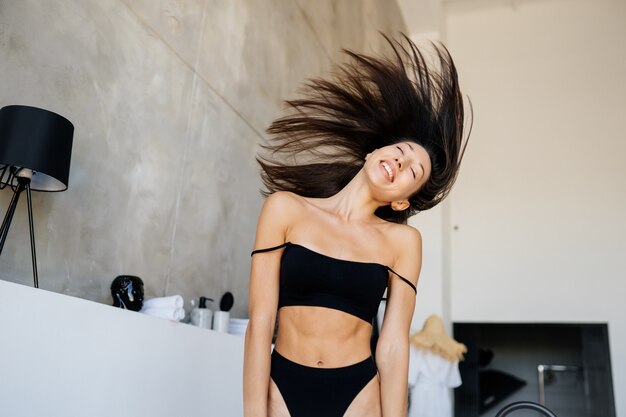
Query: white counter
x=65 y=356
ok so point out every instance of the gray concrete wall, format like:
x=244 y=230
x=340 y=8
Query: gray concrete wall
x=169 y=100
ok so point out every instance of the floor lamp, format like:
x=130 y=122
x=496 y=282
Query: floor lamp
x=35 y=153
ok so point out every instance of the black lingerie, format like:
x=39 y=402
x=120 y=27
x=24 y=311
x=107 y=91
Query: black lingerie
x=309 y=278
x=319 y=392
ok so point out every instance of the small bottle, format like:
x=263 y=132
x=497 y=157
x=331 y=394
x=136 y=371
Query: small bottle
x=202 y=316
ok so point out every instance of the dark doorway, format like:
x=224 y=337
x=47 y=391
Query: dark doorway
x=566 y=367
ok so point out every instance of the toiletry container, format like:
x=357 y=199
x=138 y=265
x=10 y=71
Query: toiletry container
x=222 y=317
x=202 y=316
x=220 y=324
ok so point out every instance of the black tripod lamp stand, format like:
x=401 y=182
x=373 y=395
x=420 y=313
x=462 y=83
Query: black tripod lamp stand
x=35 y=153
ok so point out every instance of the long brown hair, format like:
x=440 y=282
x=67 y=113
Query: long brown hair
x=370 y=102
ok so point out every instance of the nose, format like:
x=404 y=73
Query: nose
x=398 y=162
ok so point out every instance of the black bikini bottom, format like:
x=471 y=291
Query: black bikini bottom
x=316 y=392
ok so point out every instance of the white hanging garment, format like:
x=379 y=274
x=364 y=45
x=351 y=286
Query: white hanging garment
x=431 y=379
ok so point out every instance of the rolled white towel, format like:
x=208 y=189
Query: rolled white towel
x=165 y=313
x=173 y=301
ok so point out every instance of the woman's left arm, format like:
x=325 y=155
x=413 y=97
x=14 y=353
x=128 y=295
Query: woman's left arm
x=392 y=350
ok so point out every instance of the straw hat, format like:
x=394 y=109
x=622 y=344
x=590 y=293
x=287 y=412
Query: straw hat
x=433 y=337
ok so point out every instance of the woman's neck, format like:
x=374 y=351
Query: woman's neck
x=354 y=202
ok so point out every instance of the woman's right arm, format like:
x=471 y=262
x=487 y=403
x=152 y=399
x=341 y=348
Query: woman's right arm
x=263 y=303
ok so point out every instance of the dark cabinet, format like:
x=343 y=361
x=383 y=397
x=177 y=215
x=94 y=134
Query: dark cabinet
x=565 y=366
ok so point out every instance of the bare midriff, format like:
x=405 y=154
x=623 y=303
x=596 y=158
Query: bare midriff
x=322 y=337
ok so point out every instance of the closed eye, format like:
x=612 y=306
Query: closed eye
x=412 y=170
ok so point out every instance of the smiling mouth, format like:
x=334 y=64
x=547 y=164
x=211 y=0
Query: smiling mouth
x=388 y=169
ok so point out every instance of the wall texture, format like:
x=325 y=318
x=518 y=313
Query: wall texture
x=169 y=100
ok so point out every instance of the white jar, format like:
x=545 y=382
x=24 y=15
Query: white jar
x=220 y=321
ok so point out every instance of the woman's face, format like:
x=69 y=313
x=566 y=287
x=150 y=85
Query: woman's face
x=397 y=171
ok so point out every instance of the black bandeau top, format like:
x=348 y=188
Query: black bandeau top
x=309 y=278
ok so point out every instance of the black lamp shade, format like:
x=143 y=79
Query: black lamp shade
x=39 y=140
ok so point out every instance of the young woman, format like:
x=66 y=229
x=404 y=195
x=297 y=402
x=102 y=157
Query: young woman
x=356 y=156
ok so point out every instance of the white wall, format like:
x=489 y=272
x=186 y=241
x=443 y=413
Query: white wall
x=431 y=288
x=541 y=198
x=62 y=356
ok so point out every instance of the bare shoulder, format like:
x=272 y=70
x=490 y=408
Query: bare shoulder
x=406 y=242
x=277 y=216
x=405 y=238
x=283 y=203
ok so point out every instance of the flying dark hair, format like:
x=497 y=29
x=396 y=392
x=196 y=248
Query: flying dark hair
x=370 y=102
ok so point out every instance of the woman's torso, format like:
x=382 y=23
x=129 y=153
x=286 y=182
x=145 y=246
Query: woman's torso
x=333 y=337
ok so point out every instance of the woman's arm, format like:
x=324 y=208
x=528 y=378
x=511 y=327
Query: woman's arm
x=263 y=302
x=392 y=351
